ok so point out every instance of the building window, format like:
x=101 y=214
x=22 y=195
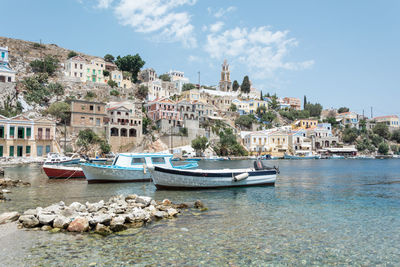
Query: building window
x=11 y=151
x=28 y=150
x=12 y=131
x=83 y=107
x=1 y=131
x=91 y=107
x=97 y=122
x=47 y=149
x=98 y=108
x=28 y=132
x=81 y=66
x=39 y=151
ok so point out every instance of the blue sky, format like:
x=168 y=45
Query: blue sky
x=338 y=53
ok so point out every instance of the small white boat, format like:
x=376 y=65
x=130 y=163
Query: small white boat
x=55 y=158
x=170 y=178
x=129 y=167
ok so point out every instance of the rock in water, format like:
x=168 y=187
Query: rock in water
x=198 y=204
x=117 y=224
x=76 y=206
x=80 y=224
x=1 y=171
x=9 y=217
x=102 y=229
x=46 y=218
x=61 y=222
x=172 y=212
x=29 y=221
x=166 y=202
x=144 y=200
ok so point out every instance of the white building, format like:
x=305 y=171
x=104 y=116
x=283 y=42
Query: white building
x=79 y=68
x=178 y=78
x=6 y=73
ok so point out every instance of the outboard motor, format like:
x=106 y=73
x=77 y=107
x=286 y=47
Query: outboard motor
x=259 y=165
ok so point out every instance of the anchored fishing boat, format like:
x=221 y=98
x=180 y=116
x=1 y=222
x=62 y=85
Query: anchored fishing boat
x=55 y=158
x=130 y=167
x=170 y=178
x=306 y=155
x=63 y=172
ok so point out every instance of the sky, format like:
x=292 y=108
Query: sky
x=337 y=53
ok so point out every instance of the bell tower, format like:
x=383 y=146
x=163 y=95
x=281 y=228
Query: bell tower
x=225 y=83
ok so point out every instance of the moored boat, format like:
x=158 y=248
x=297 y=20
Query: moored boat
x=302 y=156
x=55 y=158
x=129 y=167
x=63 y=172
x=170 y=178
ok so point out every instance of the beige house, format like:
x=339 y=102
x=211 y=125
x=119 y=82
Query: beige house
x=274 y=142
x=24 y=137
x=88 y=115
x=392 y=121
x=124 y=125
x=82 y=70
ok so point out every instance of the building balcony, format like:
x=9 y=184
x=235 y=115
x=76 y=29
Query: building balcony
x=44 y=137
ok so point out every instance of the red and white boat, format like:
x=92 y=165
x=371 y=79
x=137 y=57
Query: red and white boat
x=63 y=172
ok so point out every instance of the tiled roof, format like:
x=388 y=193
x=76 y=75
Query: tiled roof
x=387 y=117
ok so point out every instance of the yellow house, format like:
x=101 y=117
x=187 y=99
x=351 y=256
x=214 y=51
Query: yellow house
x=305 y=124
x=24 y=137
x=191 y=95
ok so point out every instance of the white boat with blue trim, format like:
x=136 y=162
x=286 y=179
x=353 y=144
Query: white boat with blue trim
x=130 y=167
x=170 y=178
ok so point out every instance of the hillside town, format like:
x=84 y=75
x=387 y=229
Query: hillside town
x=57 y=100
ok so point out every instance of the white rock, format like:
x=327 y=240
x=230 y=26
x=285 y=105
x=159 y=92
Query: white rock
x=143 y=200
x=61 y=222
x=9 y=217
x=68 y=212
x=140 y=215
x=45 y=218
x=55 y=208
x=77 y=206
x=101 y=218
x=5 y=191
x=160 y=214
x=117 y=220
x=31 y=212
x=172 y=212
x=29 y=221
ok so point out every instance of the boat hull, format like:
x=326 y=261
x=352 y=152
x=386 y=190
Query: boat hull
x=65 y=162
x=63 y=173
x=96 y=173
x=166 y=178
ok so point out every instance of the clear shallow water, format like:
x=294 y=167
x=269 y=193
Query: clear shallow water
x=321 y=212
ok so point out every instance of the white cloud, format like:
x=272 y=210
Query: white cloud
x=262 y=50
x=156 y=17
x=104 y=3
x=221 y=12
x=216 y=27
x=194 y=58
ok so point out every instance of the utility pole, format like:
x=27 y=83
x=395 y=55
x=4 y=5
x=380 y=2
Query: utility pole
x=199 y=78
x=371 y=113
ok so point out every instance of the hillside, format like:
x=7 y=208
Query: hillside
x=23 y=52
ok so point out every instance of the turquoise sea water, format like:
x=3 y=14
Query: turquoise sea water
x=321 y=212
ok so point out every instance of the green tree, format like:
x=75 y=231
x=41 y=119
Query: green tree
x=200 y=143
x=36 y=90
x=376 y=139
x=396 y=136
x=87 y=138
x=188 y=86
x=105 y=147
x=106 y=73
x=233 y=108
x=130 y=63
x=273 y=102
x=382 y=130
x=245 y=87
x=145 y=123
x=314 y=109
x=395 y=149
x=72 y=54
x=261 y=110
x=60 y=110
x=235 y=85
x=305 y=102
x=112 y=83
x=56 y=89
x=350 y=135
x=48 y=65
x=245 y=121
x=109 y=58
x=114 y=92
x=268 y=117
x=228 y=144
x=90 y=95
x=383 y=148
x=165 y=77
x=343 y=110
x=142 y=92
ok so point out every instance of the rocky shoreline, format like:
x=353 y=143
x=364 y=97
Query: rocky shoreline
x=117 y=214
x=6 y=183
x=11 y=161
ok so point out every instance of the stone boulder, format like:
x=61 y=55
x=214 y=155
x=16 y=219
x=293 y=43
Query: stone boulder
x=29 y=221
x=76 y=206
x=172 y=212
x=160 y=214
x=198 y=204
x=31 y=212
x=143 y=200
x=94 y=207
x=46 y=219
x=68 y=212
x=61 y=222
x=80 y=224
x=117 y=224
x=166 y=202
x=131 y=197
x=102 y=229
x=102 y=218
x=9 y=217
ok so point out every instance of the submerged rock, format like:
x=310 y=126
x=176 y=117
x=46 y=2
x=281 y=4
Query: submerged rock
x=9 y=217
x=117 y=224
x=80 y=224
x=198 y=204
x=29 y=221
x=102 y=229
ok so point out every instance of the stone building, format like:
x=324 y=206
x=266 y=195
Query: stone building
x=7 y=75
x=293 y=102
x=124 y=125
x=24 y=137
x=88 y=115
x=164 y=113
x=225 y=83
